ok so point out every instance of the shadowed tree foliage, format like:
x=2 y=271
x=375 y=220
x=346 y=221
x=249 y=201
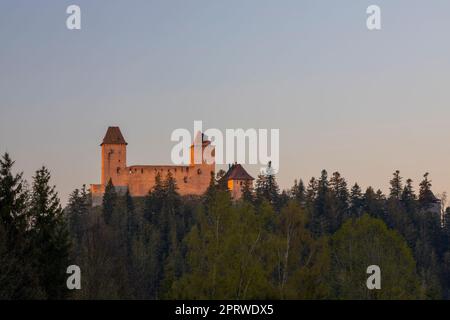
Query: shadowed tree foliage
x=49 y=231
x=299 y=243
x=367 y=241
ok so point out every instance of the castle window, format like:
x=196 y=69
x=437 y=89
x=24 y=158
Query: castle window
x=185 y=179
x=142 y=170
x=199 y=171
x=187 y=169
x=118 y=170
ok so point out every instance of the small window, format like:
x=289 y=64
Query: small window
x=118 y=170
x=142 y=170
x=185 y=179
x=199 y=171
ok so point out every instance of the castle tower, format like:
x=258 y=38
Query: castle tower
x=114 y=157
x=235 y=179
x=202 y=151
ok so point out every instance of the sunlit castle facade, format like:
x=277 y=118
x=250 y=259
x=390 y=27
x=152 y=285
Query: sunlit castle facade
x=192 y=179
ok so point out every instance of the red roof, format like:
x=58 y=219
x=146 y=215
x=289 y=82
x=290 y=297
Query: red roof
x=113 y=136
x=237 y=172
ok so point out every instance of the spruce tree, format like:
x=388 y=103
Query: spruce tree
x=408 y=197
x=109 y=202
x=426 y=197
x=18 y=276
x=50 y=236
x=13 y=200
x=298 y=192
x=154 y=201
x=247 y=192
x=356 y=201
x=341 y=200
x=396 y=186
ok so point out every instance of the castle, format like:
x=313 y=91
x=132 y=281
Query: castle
x=192 y=179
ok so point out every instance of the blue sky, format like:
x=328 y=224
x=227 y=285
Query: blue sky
x=344 y=98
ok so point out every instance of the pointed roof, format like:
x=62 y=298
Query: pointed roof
x=237 y=172
x=113 y=136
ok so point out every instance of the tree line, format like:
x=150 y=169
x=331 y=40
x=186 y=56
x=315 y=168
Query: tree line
x=313 y=241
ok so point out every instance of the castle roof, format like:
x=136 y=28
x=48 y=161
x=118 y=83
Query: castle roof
x=237 y=172
x=113 y=136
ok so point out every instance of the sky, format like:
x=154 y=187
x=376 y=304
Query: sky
x=364 y=103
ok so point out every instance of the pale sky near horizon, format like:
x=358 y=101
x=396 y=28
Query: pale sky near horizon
x=344 y=98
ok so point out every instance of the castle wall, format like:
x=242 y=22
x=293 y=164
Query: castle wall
x=190 y=179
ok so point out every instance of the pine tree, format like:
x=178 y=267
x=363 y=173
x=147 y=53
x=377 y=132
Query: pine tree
x=267 y=188
x=311 y=192
x=408 y=197
x=356 y=201
x=374 y=203
x=321 y=219
x=13 y=200
x=50 y=234
x=77 y=209
x=109 y=202
x=154 y=200
x=396 y=186
x=340 y=193
x=18 y=276
x=247 y=192
x=426 y=197
x=298 y=192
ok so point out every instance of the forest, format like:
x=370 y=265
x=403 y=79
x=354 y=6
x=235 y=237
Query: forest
x=312 y=241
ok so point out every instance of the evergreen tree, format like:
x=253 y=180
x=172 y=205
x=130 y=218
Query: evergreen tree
x=18 y=276
x=311 y=192
x=298 y=192
x=50 y=236
x=13 y=200
x=322 y=222
x=356 y=201
x=247 y=192
x=426 y=197
x=109 y=202
x=267 y=188
x=408 y=196
x=77 y=209
x=341 y=199
x=396 y=186
x=374 y=203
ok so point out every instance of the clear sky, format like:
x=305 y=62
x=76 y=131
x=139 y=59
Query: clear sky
x=344 y=98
